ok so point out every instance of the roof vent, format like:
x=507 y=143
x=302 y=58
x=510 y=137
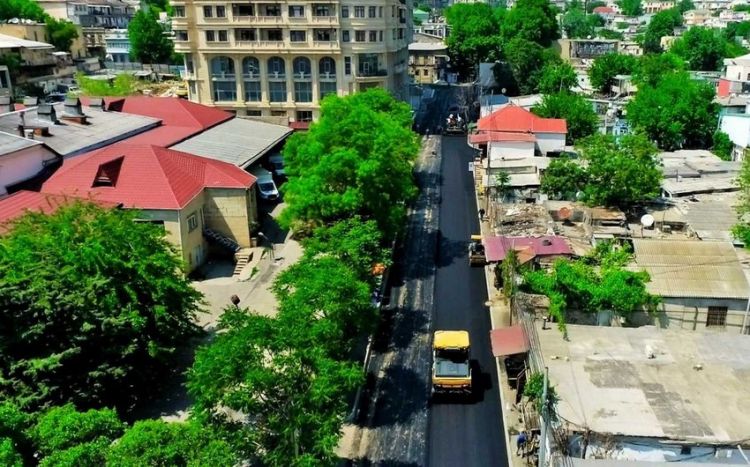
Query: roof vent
x=30 y=101
x=47 y=112
x=28 y=133
x=108 y=173
x=73 y=111
x=97 y=103
x=547 y=242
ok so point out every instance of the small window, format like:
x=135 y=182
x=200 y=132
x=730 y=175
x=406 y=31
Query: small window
x=223 y=36
x=359 y=12
x=304 y=115
x=344 y=11
x=254 y=113
x=717 y=317
x=380 y=11
x=380 y=36
x=179 y=11
x=210 y=36
x=208 y=12
x=279 y=113
x=221 y=11
x=347 y=65
x=297 y=36
x=296 y=11
x=359 y=36
x=345 y=35
x=371 y=12
x=373 y=36
x=192 y=222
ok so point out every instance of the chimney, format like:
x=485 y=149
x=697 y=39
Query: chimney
x=73 y=111
x=28 y=133
x=97 y=103
x=47 y=112
x=30 y=101
x=6 y=105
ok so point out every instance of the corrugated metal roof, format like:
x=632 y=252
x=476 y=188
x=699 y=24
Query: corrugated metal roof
x=238 y=141
x=694 y=269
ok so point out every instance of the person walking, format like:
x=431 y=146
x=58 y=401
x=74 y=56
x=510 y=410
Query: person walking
x=521 y=444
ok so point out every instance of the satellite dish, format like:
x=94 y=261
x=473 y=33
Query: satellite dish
x=647 y=220
x=564 y=213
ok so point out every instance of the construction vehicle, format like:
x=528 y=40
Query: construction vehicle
x=477 y=256
x=451 y=370
x=455 y=124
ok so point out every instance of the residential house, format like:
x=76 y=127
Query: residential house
x=655 y=6
x=605 y=224
x=40 y=65
x=428 y=58
x=701 y=284
x=690 y=172
x=607 y=13
x=541 y=250
x=737 y=127
x=194 y=198
x=696 y=17
x=582 y=51
x=736 y=77
x=435 y=26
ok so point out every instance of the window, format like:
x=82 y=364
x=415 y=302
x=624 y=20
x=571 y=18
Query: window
x=359 y=12
x=297 y=36
x=251 y=79
x=277 y=67
x=274 y=35
x=425 y=72
x=210 y=36
x=252 y=91
x=221 y=11
x=180 y=35
x=207 y=12
x=223 y=36
x=296 y=11
x=373 y=36
x=303 y=91
x=380 y=12
x=243 y=10
x=345 y=35
x=347 y=65
x=254 y=113
x=359 y=36
x=279 y=113
x=322 y=10
x=717 y=317
x=302 y=68
x=371 y=11
x=192 y=222
x=400 y=33
x=344 y=11
x=380 y=35
x=245 y=35
x=304 y=115
x=394 y=34
x=178 y=11
x=327 y=67
x=272 y=10
x=223 y=80
x=277 y=91
x=325 y=35
x=192 y=88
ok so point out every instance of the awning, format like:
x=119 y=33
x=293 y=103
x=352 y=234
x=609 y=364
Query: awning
x=509 y=341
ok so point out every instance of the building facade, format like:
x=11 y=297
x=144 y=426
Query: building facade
x=428 y=58
x=279 y=59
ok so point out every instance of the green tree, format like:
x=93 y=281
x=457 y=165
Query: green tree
x=355 y=160
x=25 y=9
x=531 y=20
x=722 y=145
x=148 y=43
x=296 y=397
x=610 y=34
x=509 y=268
x=703 y=49
x=94 y=305
x=620 y=173
x=15 y=444
x=61 y=33
x=741 y=229
x=64 y=427
x=685 y=5
x=652 y=68
x=661 y=24
x=604 y=69
x=590 y=6
x=630 y=7
x=526 y=60
x=534 y=390
x=735 y=30
x=474 y=37
x=563 y=179
x=575 y=109
x=121 y=85
x=163 y=444
x=577 y=24
x=354 y=242
x=557 y=77
x=676 y=113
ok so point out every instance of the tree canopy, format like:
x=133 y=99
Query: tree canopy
x=604 y=69
x=61 y=33
x=661 y=24
x=94 y=305
x=678 y=112
x=577 y=24
x=618 y=173
x=475 y=35
x=557 y=77
x=704 y=49
x=722 y=146
x=652 y=68
x=25 y=9
x=575 y=109
x=531 y=20
x=356 y=159
x=148 y=43
x=741 y=229
x=630 y=7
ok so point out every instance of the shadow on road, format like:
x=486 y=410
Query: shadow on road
x=387 y=337
x=448 y=251
x=364 y=462
x=403 y=393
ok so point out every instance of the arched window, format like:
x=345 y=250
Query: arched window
x=302 y=79
x=223 y=79
x=277 y=79
x=327 y=72
x=251 y=79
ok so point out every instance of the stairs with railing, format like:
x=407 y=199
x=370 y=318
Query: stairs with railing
x=221 y=240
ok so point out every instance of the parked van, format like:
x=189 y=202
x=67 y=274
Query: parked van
x=266 y=186
x=277 y=165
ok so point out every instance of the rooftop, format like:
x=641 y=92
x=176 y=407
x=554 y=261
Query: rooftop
x=483 y=138
x=144 y=176
x=238 y=141
x=607 y=383
x=693 y=269
x=69 y=138
x=497 y=247
x=712 y=219
x=512 y=118
x=11 y=42
x=12 y=143
x=20 y=202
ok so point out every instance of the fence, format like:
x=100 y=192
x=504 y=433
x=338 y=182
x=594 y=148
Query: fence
x=135 y=66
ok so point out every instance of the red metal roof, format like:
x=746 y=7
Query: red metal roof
x=509 y=341
x=20 y=202
x=604 y=10
x=171 y=111
x=147 y=176
x=497 y=247
x=483 y=138
x=512 y=118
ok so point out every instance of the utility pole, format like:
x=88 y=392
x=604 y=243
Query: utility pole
x=545 y=418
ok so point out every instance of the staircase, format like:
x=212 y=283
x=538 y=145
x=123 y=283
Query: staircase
x=243 y=257
x=221 y=240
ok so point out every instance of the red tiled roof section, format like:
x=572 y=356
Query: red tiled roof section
x=482 y=138
x=17 y=204
x=497 y=247
x=172 y=111
x=150 y=177
x=516 y=119
x=604 y=9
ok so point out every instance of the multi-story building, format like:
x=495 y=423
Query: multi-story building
x=281 y=58
x=428 y=57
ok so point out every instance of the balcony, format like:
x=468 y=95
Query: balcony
x=258 y=19
x=372 y=73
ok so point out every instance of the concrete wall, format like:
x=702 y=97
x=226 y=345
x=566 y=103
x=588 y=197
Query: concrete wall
x=231 y=212
x=737 y=127
x=509 y=149
x=738 y=72
x=549 y=142
x=171 y=220
x=22 y=165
